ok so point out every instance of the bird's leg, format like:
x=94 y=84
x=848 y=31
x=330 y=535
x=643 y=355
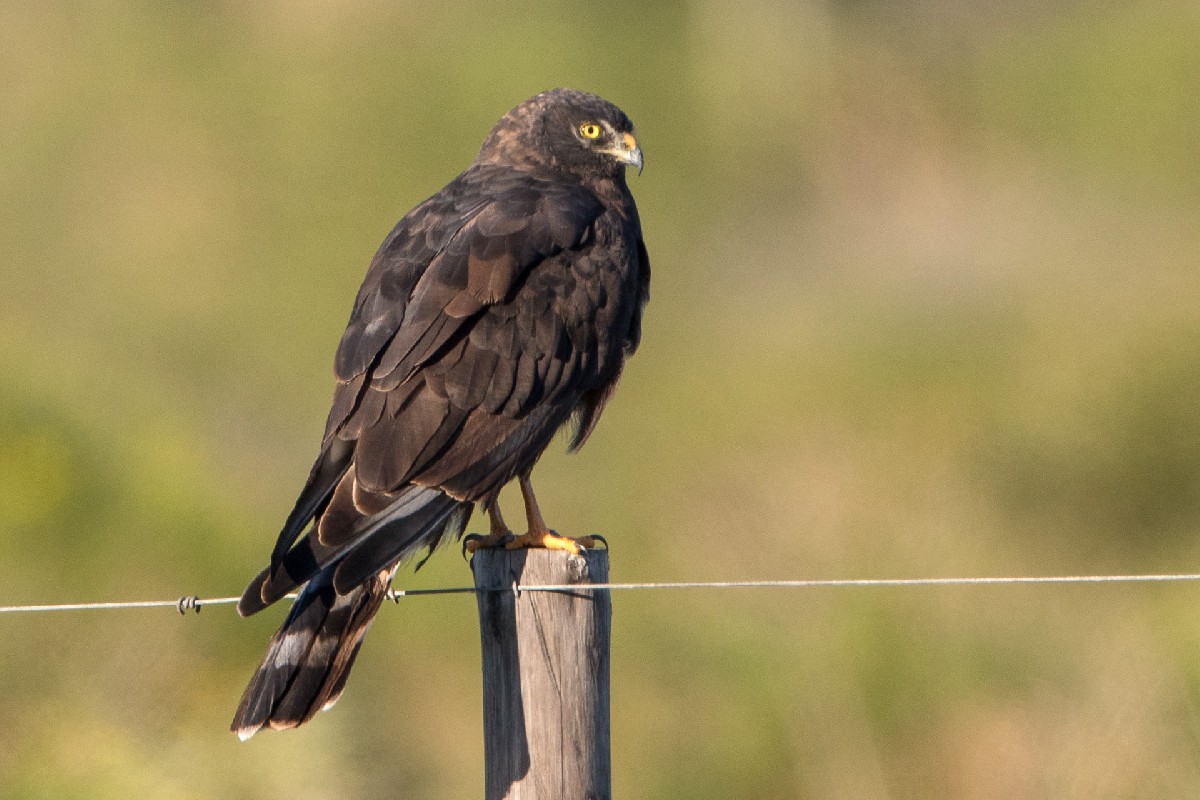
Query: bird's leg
x=498 y=531
x=539 y=534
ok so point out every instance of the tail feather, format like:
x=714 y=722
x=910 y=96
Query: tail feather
x=309 y=658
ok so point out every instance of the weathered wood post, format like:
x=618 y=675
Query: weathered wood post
x=545 y=675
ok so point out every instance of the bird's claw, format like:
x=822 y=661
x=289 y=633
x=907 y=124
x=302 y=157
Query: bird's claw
x=477 y=541
x=547 y=540
x=470 y=543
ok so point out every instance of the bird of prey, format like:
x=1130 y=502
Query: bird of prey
x=498 y=311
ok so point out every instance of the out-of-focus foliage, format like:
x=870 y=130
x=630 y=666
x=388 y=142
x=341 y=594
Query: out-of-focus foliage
x=925 y=302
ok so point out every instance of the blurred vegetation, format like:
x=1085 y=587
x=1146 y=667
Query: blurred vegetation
x=925 y=303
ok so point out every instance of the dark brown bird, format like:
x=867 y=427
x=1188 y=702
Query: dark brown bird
x=495 y=313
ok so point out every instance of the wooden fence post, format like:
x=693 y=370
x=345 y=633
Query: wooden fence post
x=545 y=676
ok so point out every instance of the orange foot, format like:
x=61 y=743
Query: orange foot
x=552 y=541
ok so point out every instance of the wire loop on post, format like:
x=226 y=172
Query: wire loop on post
x=189 y=602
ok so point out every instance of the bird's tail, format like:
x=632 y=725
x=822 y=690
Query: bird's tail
x=309 y=658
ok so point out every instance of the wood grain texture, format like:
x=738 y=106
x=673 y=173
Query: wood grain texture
x=545 y=676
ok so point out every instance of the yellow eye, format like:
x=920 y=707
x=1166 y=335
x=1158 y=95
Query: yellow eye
x=590 y=130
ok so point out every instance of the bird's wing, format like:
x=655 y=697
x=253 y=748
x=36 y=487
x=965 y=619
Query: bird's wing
x=450 y=258
x=587 y=413
x=461 y=252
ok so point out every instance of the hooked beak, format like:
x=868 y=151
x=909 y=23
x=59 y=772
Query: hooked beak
x=628 y=153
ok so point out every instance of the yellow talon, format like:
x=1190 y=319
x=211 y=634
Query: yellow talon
x=550 y=540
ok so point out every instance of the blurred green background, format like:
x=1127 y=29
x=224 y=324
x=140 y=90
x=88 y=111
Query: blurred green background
x=925 y=303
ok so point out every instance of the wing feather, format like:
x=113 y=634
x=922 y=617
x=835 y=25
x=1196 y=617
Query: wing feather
x=446 y=262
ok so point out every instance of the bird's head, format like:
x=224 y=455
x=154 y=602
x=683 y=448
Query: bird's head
x=565 y=130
